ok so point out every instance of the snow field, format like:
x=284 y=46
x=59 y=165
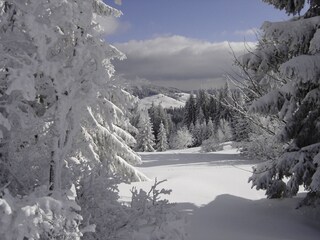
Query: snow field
x=165 y=101
x=213 y=189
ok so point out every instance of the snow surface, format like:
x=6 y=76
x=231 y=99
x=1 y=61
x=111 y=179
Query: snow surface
x=212 y=190
x=165 y=101
x=183 y=97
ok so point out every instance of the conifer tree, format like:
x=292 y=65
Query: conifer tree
x=190 y=111
x=197 y=134
x=145 y=138
x=286 y=66
x=209 y=131
x=162 y=144
x=202 y=106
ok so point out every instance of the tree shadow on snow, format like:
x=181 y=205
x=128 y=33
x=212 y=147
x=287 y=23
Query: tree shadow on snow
x=229 y=217
x=154 y=160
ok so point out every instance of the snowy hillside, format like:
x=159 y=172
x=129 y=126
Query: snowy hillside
x=142 y=90
x=183 y=97
x=165 y=101
x=212 y=190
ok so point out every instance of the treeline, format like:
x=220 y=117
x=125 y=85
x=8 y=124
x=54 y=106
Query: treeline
x=206 y=119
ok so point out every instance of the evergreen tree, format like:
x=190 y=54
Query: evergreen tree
x=67 y=126
x=105 y=138
x=212 y=108
x=202 y=106
x=55 y=69
x=209 y=130
x=201 y=117
x=145 y=138
x=190 y=111
x=286 y=66
x=157 y=115
x=45 y=102
x=197 y=134
x=241 y=128
x=162 y=144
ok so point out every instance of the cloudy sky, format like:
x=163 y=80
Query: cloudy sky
x=184 y=43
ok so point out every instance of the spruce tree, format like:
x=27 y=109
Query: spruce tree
x=190 y=111
x=145 y=138
x=162 y=144
x=286 y=65
x=209 y=131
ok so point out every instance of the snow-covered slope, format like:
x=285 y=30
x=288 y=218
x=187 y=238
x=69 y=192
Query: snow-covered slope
x=165 y=101
x=183 y=97
x=213 y=190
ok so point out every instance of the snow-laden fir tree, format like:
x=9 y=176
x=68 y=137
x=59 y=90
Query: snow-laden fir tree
x=286 y=66
x=162 y=144
x=105 y=135
x=209 y=130
x=202 y=106
x=197 y=134
x=61 y=121
x=157 y=115
x=190 y=111
x=145 y=137
x=53 y=63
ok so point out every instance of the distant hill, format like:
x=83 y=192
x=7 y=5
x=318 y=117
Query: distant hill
x=165 y=101
x=147 y=90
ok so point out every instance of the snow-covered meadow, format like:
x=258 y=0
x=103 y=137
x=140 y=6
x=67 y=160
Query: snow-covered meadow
x=213 y=192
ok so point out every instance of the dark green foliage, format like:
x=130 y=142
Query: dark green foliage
x=290 y=6
x=157 y=115
x=190 y=114
x=289 y=52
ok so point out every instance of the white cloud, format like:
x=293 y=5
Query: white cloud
x=247 y=32
x=178 y=61
x=111 y=25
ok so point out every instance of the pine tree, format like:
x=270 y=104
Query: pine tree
x=54 y=69
x=201 y=106
x=162 y=144
x=145 y=138
x=209 y=129
x=47 y=102
x=105 y=138
x=241 y=128
x=190 y=111
x=157 y=115
x=286 y=66
x=200 y=116
x=197 y=134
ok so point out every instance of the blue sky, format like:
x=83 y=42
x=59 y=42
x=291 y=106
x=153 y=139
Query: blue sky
x=211 y=20
x=185 y=43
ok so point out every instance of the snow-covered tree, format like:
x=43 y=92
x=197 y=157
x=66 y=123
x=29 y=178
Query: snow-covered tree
x=145 y=138
x=54 y=62
x=157 y=115
x=202 y=106
x=208 y=130
x=182 y=139
x=162 y=144
x=197 y=134
x=60 y=120
x=105 y=137
x=190 y=111
x=286 y=66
